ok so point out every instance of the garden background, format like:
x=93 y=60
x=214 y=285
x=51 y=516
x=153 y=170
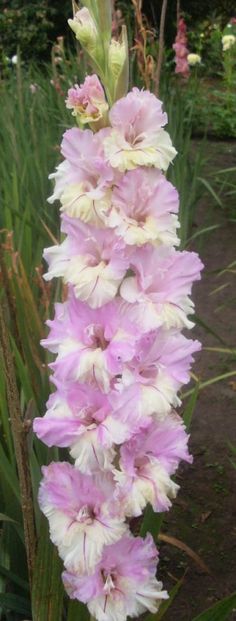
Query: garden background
x=38 y=63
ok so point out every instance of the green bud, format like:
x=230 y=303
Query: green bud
x=118 y=62
x=116 y=57
x=85 y=29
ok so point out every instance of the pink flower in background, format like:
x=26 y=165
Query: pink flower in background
x=143 y=208
x=181 y=50
x=91 y=260
x=137 y=137
x=87 y=100
x=124 y=582
x=159 y=291
x=146 y=463
x=82 y=514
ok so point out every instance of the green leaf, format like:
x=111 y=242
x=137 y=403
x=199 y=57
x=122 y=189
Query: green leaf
x=6 y=518
x=200 y=322
x=151 y=522
x=16 y=603
x=47 y=591
x=190 y=407
x=77 y=612
x=166 y=604
x=14 y=578
x=210 y=190
x=203 y=231
x=220 y=611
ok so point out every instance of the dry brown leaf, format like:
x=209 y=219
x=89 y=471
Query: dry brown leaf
x=183 y=546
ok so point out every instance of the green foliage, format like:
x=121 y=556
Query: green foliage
x=48 y=591
x=187 y=169
x=28 y=27
x=220 y=611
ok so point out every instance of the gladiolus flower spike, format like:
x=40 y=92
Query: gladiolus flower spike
x=120 y=355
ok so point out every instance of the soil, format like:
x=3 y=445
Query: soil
x=204 y=514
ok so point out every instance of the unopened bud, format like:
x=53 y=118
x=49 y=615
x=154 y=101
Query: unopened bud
x=84 y=28
x=117 y=56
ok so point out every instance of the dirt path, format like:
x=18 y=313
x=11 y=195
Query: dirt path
x=204 y=515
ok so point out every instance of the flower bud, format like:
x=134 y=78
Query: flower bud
x=84 y=28
x=117 y=56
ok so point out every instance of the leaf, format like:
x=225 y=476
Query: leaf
x=151 y=522
x=16 y=603
x=190 y=407
x=212 y=380
x=167 y=603
x=200 y=322
x=14 y=578
x=210 y=190
x=47 y=590
x=183 y=546
x=77 y=611
x=6 y=518
x=220 y=611
x=207 y=229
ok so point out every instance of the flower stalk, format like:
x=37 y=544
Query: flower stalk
x=120 y=355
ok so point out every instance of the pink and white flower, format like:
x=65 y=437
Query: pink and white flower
x=91 y=260
x=123 y=583
x=146 y=463
x=83 y=418
x=93 y=349
x=81 y=513
x=137 y=137
x=160 y=366
x=159 y=292
x=120 y=358
x=83 y=180
x=143 y=208
x=87 y=100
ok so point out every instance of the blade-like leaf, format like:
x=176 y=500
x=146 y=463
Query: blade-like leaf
x=47 y=591
x=77 y=612
x=209 y=187
x=200 y=322
x=151 y=522
x=190 y=407
x=203 y=231
x=220 y=611
x=13 y=578
x=16 y=603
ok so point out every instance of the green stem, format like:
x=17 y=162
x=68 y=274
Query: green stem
x=213 y=380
